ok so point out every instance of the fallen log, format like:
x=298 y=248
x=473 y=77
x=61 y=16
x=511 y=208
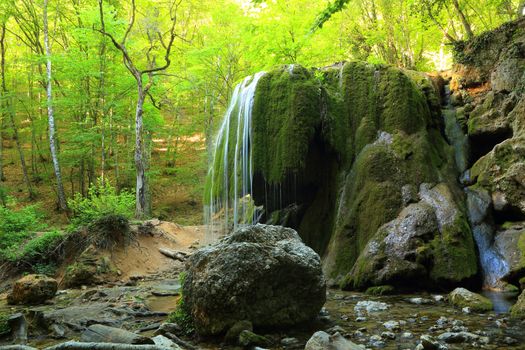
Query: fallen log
x=179 y=341
x=99 y=333
x=173 y=254
x=73 y=345
x=17 y=347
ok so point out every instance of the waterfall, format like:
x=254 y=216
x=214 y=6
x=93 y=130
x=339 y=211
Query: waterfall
x=493 y=265
x=228 y=200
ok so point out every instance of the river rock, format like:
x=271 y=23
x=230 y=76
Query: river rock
x=248 y=338
x=33 y=289
x=324 y=341
x=458 y=337
x=463 y=298
x=262 y=273
x=369 y=306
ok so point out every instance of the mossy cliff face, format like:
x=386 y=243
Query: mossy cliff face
x=339 y=152
x=488 y=88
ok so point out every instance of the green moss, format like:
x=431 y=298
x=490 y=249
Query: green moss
x=380 y=290
x=182 y=316
x=461 y=298
x=79 y=274
x=286 y=113
x=521 y=247
x=454 y=253
x=248 y=338
x=4 y=324
x=518 y=309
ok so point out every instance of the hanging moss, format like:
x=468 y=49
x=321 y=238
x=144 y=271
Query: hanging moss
x=332 y=150
x=286 y=113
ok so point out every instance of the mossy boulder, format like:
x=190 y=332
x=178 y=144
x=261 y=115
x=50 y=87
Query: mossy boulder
x=429 y=243
x=248 y=338
x=333 y=150
x=461 y=297
x=33 y=289
x=90 y=268
x=518 y=309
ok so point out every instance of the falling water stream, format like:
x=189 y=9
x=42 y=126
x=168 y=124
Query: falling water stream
x=230 y=202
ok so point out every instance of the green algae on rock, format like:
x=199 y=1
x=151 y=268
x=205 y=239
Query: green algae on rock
x=331 y=151
x=461 y=298
x=518 y=309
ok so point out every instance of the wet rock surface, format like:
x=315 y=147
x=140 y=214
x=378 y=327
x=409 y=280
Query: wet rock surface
x=263 y=274
x=368 y=322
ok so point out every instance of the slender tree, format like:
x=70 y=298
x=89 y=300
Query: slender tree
x=50 y=116
x=144 y=79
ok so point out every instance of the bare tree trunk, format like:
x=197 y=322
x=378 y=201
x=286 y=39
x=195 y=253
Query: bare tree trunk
x=464 y=21
x=51 y=119
x=142 y=207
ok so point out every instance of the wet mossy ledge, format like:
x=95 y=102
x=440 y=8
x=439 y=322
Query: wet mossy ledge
x=338 y=153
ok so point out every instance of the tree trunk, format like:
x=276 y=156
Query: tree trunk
x=141 y=191
x=51 y=119
x=521 y=10
x=464 y=21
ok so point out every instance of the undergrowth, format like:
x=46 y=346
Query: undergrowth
x=102 y=200
x=181 y=316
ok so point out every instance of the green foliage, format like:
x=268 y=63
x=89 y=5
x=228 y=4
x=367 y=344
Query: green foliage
x=103 y=200
x=181 y=316
x=328 y=12
x=16 y=227
x=43 y=248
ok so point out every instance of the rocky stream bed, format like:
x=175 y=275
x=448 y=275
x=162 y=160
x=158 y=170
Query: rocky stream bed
x=386 y=322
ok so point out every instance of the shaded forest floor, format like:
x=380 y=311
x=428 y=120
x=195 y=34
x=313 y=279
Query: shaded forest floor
x=176 y=188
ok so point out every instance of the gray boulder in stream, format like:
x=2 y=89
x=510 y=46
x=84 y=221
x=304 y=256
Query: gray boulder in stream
x=264 y=274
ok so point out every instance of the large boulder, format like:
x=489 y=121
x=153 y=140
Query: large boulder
x=33 y=289
x=263 y=274
x=461 y=297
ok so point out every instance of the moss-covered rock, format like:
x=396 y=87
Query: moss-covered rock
x=332 y=150
x=518 y=309
x=33 y=289
x=248 y=338
x=380 y=290
x=461 y=297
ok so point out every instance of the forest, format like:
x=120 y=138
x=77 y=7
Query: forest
x=209 y=171
x=75 y=73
